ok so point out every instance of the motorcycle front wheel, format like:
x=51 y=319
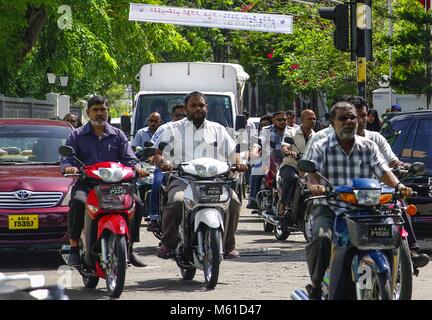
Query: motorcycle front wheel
x=116 y=268
x=212 y=256
x=381 y=288
x=281 y=232
x=308 y=220
x=404 y=281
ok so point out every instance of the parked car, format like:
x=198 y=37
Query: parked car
x=410 y=135
x=34 y=195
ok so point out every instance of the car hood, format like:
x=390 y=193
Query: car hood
x=34 y=178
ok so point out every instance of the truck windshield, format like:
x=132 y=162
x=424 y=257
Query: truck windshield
x=30 y=144
x=219 y=108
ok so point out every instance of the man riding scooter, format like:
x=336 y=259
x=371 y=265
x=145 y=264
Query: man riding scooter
x=95 y=142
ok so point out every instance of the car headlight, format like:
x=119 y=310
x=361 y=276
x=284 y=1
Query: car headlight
x=368 y=197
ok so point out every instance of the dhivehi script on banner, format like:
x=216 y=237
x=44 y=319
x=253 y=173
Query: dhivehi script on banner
x=211 y=18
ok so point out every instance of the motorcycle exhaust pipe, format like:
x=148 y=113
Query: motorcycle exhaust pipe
x=268 y=219
x=299 y=295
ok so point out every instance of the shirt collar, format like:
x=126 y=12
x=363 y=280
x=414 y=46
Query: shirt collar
x=107 y=129
x=357 y=141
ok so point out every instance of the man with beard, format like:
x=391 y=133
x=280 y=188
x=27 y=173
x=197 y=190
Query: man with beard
x=187 y=139
x=340 y=157
x=95 y=142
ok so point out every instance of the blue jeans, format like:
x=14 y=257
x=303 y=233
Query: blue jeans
x=255 y=186
x=158 y=177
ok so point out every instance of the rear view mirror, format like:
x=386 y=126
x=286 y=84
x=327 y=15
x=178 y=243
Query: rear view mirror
x=148 y=144
x=125 y=124
x=66 y=151
x=306 y=166
x=289 y=140
x=240 y=122
x=417 y=168
x=146 y=152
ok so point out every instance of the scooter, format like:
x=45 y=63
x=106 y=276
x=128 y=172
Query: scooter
x=109 y=206
x=204 y=217
x=372 y=230
x=297 y=215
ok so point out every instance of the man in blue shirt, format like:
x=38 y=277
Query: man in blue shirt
x=95 y=142
x=154 y=121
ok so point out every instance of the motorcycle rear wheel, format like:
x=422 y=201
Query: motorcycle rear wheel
x=188 y=273
x=268 y=227
x=116 y=269
x=212 y=256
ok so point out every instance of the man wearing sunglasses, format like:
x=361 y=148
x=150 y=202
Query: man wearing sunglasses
x=340 y=157
x=269 y=149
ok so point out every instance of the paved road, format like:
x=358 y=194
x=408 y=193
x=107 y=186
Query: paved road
x=267 y=270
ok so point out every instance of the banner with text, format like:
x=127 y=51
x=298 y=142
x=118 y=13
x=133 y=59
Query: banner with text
x=211 y=18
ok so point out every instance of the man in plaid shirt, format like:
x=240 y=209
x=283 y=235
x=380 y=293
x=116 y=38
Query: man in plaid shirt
x=340 y=157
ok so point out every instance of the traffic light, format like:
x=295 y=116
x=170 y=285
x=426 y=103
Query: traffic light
x=340 y=16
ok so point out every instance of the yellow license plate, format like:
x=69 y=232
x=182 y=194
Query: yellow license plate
x=28 y=221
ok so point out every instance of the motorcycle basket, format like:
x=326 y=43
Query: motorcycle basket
x=374 y=232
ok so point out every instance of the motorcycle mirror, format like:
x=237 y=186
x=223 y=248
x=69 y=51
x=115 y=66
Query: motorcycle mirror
x=162 y=146
x=306 y=166
x=289 y=140
x=148 y=144
x=146 y=152
x=417 y=168
x=66 y=151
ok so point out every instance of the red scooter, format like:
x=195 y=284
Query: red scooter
x=109 y=206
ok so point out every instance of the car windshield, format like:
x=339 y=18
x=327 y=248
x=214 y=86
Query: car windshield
x=219 y=108
x=24 y=144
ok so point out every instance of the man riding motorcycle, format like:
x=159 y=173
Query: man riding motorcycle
x=288 y=171
x=95 y=142
x=187 y=139
x=418 y=260
x=340 y=157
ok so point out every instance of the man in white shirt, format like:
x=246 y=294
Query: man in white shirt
x=187 y=139
x=288 y=172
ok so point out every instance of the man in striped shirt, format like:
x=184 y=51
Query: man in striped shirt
x=340 y=157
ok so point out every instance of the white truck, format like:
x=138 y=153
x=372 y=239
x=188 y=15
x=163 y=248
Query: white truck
x=163 y=85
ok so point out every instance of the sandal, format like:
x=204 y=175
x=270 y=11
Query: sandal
x=232 y=254
x=164 y=252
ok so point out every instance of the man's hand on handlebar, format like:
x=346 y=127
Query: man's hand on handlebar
x=141 y=172
x=166 y=167
x=317 y=190
x=405 y=191
x=241 y=167
x=71 y=170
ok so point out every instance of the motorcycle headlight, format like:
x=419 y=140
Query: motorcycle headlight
x=368 y=197
x=110 y=174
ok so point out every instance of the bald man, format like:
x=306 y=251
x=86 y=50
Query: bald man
x=288 y=169
x=154 y=121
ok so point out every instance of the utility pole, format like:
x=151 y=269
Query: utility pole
x=364 y=42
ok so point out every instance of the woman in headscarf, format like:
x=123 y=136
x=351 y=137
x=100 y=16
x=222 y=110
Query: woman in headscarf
x=373 y=121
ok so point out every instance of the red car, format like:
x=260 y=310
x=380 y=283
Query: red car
x=34 y=195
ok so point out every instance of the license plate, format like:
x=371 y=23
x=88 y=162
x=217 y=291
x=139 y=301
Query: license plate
x=380 y=231
x=23 y=222
x=213 y=190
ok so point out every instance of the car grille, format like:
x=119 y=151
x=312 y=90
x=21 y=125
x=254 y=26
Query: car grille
x=8 y=200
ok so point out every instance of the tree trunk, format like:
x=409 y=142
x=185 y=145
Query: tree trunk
x=36 y=17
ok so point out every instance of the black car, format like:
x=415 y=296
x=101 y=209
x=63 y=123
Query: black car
x=410 y=136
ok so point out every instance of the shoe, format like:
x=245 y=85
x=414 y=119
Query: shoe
x=231 y=254
x=74 y=258
x=252 y=205
x=164 y=252
x=136 y=261
x=419 y=260
x=313 y=293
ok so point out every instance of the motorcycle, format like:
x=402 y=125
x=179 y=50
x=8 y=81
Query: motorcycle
x=204 y=217
x=372 y=229
x=297 y=216
x=144 y=185
x=109 y=206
